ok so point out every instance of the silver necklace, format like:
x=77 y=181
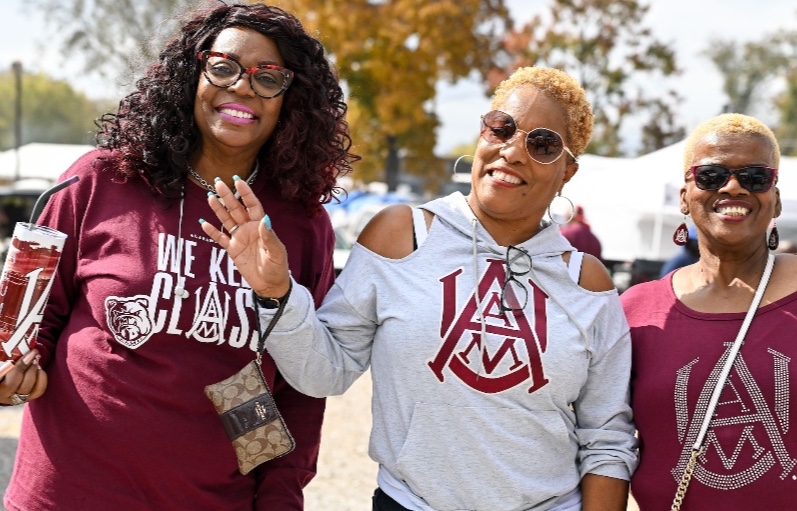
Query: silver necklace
x=179 y=289
x=210 y=188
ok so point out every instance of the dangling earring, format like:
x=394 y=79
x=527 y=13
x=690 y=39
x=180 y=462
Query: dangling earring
x=681 y=235
x=774 y=239
x=454 y=169
x=572 y=209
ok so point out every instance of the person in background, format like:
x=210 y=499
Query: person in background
x=683 y=328
x=499 y=355
x=688 y=254
x=579 y=233
x=146 y=310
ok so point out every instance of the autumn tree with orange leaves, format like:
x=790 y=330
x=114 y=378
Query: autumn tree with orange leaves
x=605 y=45
x=391 y=55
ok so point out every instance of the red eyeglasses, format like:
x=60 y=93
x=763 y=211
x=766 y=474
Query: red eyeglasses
x=222 y=70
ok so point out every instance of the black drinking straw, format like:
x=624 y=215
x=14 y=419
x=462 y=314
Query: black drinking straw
x=42 y=200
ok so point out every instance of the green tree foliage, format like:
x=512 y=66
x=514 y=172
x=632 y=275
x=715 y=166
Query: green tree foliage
x=51 y=111
x=787 y=107
x=391 y=54
x=605 y=45
x=786 y=102
x=749 y=70
x=746 y=68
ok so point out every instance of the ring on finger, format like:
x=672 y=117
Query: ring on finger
x=235 y=228
x=18 y=399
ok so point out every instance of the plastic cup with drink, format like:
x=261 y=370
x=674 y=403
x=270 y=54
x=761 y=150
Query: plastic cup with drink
x=26 y=280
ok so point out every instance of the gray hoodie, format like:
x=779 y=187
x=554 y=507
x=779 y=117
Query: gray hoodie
x=473 y=408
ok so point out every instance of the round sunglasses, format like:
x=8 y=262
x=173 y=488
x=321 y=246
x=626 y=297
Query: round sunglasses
x=543 y=145
x=755 y=178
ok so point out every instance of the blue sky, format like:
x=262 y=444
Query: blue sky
x=686 y=24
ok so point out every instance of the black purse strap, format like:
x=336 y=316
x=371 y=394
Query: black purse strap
x=261 y=337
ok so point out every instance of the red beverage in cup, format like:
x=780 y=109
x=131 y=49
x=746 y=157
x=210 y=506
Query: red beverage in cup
x=25 y=285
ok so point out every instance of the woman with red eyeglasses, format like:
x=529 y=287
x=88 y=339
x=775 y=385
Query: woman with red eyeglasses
x=146 y=310
x=714 y=381
x=499 y=355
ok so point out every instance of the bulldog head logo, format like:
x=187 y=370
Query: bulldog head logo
x=129 y=320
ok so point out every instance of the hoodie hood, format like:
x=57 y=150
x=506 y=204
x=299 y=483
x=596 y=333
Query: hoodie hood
x=455 y=211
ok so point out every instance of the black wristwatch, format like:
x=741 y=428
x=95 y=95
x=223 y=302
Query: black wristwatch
x=272 y=303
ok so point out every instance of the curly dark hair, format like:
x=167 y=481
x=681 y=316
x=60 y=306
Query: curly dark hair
x=152 y=135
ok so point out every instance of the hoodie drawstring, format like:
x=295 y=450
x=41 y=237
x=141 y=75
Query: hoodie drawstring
x=477 y=298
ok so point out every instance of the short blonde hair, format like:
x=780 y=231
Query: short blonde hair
x=561 y=87
x=729 y=124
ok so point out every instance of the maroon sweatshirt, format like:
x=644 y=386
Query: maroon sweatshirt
x=124 y=423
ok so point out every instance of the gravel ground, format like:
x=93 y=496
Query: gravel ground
x=346 y=475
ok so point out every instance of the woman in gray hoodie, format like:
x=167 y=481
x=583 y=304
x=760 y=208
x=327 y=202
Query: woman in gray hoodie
x=499 y=355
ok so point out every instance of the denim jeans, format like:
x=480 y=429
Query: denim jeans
x=382 y=502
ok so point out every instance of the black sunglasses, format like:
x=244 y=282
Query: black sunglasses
x=755 y=179
x=542 y=144
x=514 y=295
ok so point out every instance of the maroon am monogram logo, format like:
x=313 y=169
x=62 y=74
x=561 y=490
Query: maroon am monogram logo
x=517 y=359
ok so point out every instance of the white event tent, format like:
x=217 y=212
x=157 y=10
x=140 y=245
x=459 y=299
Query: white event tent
x=39 y=161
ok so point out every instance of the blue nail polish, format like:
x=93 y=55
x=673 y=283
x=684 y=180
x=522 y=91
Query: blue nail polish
x=267 y=221
x=211 y=194
x=236 y=178
x=216 y=179
x=201 y=221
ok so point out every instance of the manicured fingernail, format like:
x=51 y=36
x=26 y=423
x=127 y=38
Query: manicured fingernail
x=201 y=221
x=28 y=358
x=267 y=221
x=211 y=194
x=236 y=178
x=216 y=179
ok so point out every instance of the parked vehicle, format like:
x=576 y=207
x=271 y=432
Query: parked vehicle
x=342 y=249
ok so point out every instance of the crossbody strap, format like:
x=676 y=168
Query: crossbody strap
x=737 y=345
x=723 y=376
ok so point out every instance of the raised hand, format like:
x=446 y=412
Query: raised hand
x=258 y=253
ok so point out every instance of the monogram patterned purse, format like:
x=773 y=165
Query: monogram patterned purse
x=248 y=411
